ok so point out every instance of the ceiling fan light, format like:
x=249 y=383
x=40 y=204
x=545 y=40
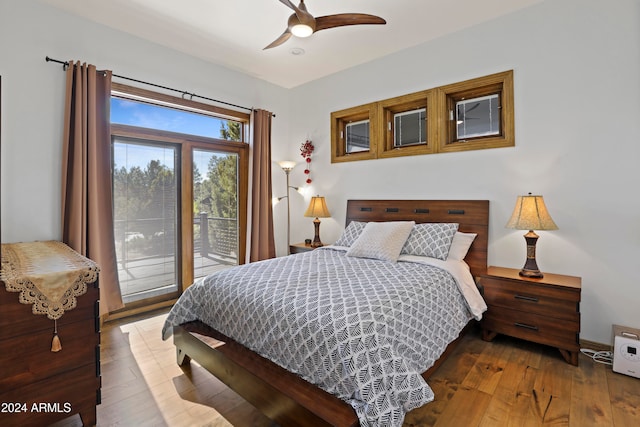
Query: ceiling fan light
x=301 y=30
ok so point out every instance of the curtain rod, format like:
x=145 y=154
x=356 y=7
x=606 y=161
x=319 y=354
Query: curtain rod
x=65 y=64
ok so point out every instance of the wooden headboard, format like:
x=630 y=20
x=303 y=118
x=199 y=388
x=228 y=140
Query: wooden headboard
x=471 y=215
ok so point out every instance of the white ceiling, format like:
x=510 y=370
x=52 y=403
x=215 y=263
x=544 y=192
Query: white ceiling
x=233 y=33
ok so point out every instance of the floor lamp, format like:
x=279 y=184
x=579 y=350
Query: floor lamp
x=287 y=166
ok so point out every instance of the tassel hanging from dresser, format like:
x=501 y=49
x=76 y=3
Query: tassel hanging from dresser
x=55 y=343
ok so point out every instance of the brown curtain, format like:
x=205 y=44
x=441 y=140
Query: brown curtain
x=87 y=214
x=261 y=241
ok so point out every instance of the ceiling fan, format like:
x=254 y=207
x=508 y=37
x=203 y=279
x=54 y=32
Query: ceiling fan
x=303 y=24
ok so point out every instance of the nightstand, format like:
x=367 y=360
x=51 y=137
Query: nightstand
x=543 y=310
x=298 y=248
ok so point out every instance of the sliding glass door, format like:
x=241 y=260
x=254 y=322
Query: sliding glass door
x=215 y=200
x=146 y=195
x=180 y=183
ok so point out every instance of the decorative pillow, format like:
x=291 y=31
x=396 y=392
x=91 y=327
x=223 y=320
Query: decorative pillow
x=431 y=239
x=381 y=240
x=350 y=234
x=460 y=245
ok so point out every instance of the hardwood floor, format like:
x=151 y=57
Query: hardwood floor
x=504 y=383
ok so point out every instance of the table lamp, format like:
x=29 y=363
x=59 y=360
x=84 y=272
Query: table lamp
x=318 y=209
x=530 y=213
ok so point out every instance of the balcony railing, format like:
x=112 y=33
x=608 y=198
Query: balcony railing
x=214 y=236
x=152 y=237
x=145 y=249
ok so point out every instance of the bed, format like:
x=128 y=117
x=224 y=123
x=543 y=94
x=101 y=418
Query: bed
x=356 y=352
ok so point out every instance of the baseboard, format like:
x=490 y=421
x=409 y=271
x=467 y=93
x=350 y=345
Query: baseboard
x=144 y=310
x=592 y=345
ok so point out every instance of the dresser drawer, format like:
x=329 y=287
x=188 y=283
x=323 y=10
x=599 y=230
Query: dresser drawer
x=533 y=327
x=18 y=319
x=532 y=298
x=65 y=394
x=27 y=359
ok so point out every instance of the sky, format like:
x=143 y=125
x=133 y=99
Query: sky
x=128 y=112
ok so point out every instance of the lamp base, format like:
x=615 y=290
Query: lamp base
x=531 y=273
x=530 y=268
x=316 y=239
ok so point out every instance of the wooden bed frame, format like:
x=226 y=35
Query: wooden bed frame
x=283 y=396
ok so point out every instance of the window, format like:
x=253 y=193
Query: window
x=145 y=205
x=352 y=131
x=180 y=185
x=485 y=121
x=357 y=136
x=410 y=128
x=215 y=197
x=406 y=125
x=479 y=113
x=469 y=115
x=165 y=118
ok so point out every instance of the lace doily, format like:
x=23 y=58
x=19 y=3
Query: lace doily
x=49 y=275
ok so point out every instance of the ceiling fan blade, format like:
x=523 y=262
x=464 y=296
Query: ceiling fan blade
x=289 y=5
x=344 y=19
x=283 y=38
x=301 y=11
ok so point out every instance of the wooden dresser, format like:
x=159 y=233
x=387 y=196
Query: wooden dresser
x=37 y=385
x=544 y=310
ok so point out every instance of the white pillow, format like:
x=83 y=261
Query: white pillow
x=460 y=245
x=381 y=240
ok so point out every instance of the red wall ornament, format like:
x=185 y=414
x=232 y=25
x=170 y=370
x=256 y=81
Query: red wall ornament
x=306 y=150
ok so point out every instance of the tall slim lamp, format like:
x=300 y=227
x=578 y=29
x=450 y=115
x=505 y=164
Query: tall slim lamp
x=530 y=213
x=287 y=166
x=318 y=209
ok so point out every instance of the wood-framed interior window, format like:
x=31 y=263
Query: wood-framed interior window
x=353 y=133
x=478 y=113
x=406 y=125
x=469 y=115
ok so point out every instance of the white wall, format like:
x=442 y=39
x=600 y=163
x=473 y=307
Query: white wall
x=577 y=101
x=33 y=101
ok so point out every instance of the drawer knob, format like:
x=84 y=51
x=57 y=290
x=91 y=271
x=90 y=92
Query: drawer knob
x=526 y=298
x=524 y=325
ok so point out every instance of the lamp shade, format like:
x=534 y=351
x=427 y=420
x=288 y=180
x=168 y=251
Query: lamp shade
x=530 y=213
x=287 y=165
x=317 y=208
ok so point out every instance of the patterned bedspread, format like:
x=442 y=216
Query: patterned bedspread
x=358 y=328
